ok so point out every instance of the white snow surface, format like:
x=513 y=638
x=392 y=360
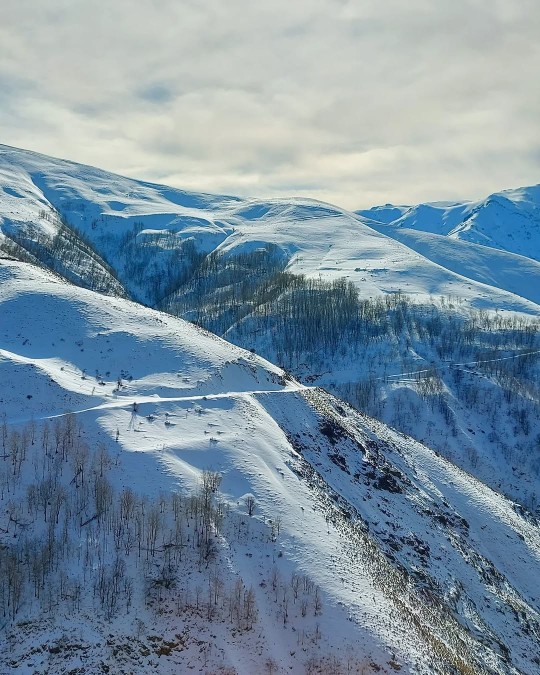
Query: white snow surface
x=204 y=404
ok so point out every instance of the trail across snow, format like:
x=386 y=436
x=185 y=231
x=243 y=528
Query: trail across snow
x=154 y=398
x=456 y=365
x=169 y=402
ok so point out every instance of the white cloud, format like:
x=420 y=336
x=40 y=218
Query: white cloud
x=355 y=101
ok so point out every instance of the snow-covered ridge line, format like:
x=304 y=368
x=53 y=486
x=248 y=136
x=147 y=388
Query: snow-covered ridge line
x=155 y=236
x=506 y=221
x=233 y=265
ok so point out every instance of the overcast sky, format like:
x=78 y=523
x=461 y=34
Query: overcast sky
x=355 y=102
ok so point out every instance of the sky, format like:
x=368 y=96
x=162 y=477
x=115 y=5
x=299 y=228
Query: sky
x=353 y=102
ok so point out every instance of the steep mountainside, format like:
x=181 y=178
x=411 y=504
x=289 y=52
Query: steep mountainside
x=199 y=509
x=32 y=229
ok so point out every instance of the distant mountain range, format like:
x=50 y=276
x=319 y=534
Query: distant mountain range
x=507 y=221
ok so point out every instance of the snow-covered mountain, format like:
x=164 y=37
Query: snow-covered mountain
x=508 y=221
x=155 y=237
x=254 y=271
x=303 y=537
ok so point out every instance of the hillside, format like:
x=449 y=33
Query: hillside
x=303 y=537
x=155 y=238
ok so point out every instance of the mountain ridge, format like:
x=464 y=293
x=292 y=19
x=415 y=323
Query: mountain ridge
x=232 y=516
x=508 y=220
x=142 y=227
x=341 y=301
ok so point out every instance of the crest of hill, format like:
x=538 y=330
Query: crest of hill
x=148 y=240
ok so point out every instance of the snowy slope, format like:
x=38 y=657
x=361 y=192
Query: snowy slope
x=418 y=565
x=436 y=521
x=32 y=229
x=508 y=220
x=160 y=239
x=154 y=237
x=65 y=349
x=500 y=269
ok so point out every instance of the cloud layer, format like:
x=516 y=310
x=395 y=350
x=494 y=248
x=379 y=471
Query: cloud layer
x=355 y=102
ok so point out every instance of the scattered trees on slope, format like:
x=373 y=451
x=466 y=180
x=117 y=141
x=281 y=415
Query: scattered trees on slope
x=418 y=367
x=72 y=543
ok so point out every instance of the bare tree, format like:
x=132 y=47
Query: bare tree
x=250 y=504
